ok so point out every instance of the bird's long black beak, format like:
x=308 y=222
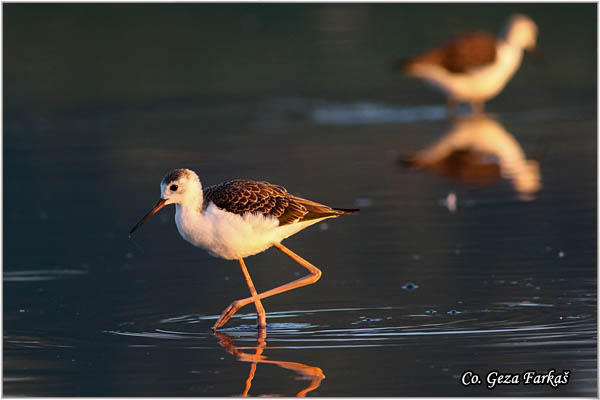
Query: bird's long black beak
x=158 y=206
x=535 y=53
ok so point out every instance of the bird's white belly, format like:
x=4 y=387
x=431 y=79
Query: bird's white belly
x=231 y=236
x=481 y=84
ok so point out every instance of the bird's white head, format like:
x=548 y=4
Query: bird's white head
x=180 y=186
x=521 y=31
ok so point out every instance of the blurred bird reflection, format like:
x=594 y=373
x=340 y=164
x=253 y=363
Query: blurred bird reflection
x=479 y=151
x=313 y=374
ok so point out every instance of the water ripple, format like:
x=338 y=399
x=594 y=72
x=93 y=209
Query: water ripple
x=41 y=275
x=368 y=112
x=378 y=332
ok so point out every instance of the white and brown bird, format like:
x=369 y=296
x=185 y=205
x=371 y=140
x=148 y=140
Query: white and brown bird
x=475 y=67
x=240 y=218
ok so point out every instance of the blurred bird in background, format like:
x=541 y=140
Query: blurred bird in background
x=475 y=67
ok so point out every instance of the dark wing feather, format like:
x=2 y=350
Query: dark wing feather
x=460 y=54
x=241 y=196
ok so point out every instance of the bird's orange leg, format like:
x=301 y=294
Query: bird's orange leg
x=477 y=107
x=261 y=316
x=315 y=275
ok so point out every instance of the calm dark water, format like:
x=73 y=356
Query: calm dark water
x=480 y=262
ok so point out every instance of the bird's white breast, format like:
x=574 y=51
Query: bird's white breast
x=231 y=236
x=478 y=84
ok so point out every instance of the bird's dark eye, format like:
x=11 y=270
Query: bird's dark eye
x=173 y=188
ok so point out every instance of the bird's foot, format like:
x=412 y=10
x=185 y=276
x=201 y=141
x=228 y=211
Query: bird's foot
x=227 y=314
x=261 y=320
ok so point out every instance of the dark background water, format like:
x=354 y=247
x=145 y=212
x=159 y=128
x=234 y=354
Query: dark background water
x=100 y=101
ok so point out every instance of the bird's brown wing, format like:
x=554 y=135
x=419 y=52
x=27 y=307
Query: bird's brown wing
x=241 y=196
x=460 y=54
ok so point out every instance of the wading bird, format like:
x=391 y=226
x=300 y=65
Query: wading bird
x=240 y=218
x=475 y=67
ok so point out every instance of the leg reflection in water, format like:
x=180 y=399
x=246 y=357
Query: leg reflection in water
x=315 y=374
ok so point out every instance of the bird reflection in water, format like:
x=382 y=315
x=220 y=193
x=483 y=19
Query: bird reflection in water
x=479 y=151
x=313 y=374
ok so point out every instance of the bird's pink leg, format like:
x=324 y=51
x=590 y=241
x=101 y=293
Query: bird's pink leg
x=315 y=275
x=261 y=316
